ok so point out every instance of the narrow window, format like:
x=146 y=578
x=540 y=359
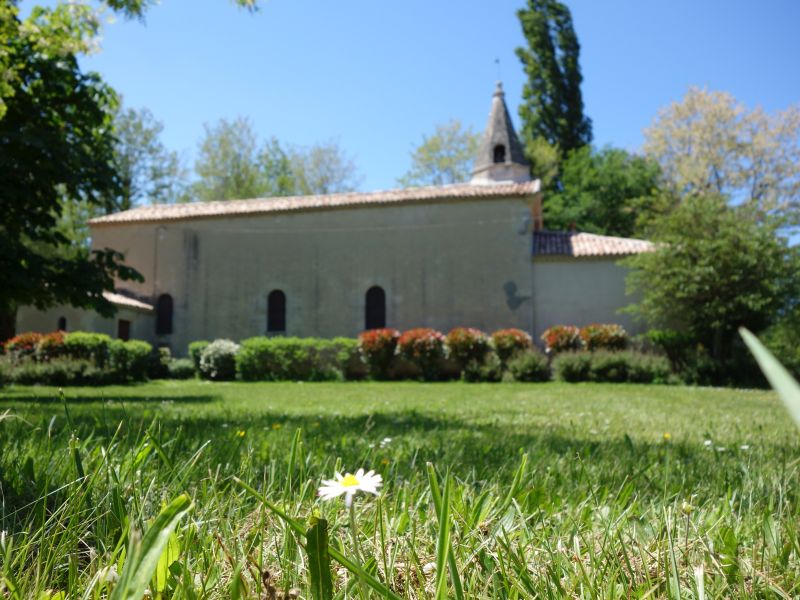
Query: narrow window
x=375 y=308
x=499 y=153
x=124 y=330
x=276 y=312
x=164 y=314
x=62 y=324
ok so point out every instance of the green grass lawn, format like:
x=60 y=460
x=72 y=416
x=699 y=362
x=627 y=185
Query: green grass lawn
x=626 y=491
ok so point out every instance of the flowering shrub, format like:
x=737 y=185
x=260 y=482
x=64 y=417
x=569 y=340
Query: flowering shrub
x=218 y=360
x=466 y=344
x=604 y=337
x=507 y=342
x=562 y=338
x=50 y=346
x=377 y=348
x=424 y=348
x=24 y=344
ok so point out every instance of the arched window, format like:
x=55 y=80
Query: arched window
x=62 y=324
x=164 y=314
x=375 y=308
x=276 y=312
x=499 y=153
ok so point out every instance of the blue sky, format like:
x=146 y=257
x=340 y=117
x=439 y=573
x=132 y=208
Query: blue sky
x=378 y=75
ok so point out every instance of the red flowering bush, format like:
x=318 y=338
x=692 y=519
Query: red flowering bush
x=24 y=344
x=50 y=346
x=377 y=348
x=466 y=344
x=562 y=338
x=604 y=337
x=423 y=347
x=507 y=342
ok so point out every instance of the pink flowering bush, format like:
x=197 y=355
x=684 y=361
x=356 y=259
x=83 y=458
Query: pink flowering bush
x=466 y=344
x=424 y=348
x=377 y=348
x=23 y=345
x=508 y=342
x=562 y=338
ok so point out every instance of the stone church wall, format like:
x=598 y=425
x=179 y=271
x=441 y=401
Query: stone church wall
x=441 y=265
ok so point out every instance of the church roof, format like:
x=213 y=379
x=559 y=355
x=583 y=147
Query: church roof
x=499 y=132
x=580 y=244
x=232 y=208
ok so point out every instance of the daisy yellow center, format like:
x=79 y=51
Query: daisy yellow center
x=349 y=480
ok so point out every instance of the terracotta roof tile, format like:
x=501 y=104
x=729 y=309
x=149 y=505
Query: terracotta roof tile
x=579 y=244
x=200 y=210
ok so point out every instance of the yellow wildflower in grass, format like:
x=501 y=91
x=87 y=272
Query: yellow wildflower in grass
x=667 y=436
x=349 y=484
x=276 y=426
x=241 y=433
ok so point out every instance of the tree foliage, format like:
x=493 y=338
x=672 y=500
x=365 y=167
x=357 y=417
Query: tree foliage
x=607 y=191
x=716 y=267
x=148 y=171
x=232 y=163
x=552 y=107
x=444 y=157
x=709 y=143
x=56 y=143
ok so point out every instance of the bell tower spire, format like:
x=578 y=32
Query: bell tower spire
x=500 y=155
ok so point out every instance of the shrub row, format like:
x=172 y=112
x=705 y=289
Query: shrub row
x=611 y=367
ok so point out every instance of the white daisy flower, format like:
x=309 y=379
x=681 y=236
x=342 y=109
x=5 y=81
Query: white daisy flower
x=349 y=485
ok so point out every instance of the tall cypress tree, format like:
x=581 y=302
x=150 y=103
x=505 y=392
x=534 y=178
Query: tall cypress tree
x=552 y=105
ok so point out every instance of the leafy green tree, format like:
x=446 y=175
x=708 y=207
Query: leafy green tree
x=444 y=157
x=149 y=172
x=324 y=168
x=57 y=143
x=552 y=107
x=229 y=163
x=709 y=143
x=607 y=191
x=233 y=164
x=715 y=268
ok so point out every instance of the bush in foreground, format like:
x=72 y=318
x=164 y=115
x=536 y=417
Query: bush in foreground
x=507 y=342
x=572 y=366
x=289 y=358
x=424 y=348
x=181 y=368
x=490 y=370
x=562 y=338
x=129 y=360
x=377 y=348
x=604 y=337
x=218 y=360
x=82 y=345
x=465 y=344
x=529 y=366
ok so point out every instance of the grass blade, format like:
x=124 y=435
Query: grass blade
x=143 y=557
x=779 y=378
x=319 y=560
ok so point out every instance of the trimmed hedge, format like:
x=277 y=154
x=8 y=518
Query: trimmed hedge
x=129 y=360
x=488 y=371
x=81 y=345
x=529 y=366
x=611 y=367
x=195 y=350
x=181 y=368
x=294 y=359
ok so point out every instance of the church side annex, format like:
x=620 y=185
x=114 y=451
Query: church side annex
x=473 y=254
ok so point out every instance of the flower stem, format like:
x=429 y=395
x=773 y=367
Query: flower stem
x=356 y=546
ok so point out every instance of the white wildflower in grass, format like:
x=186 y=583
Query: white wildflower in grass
x=385 y=442
x=744 y=447
x=350 y=485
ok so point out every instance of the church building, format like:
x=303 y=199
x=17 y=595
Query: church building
x=471 y=254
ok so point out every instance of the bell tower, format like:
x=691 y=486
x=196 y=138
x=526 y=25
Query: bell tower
x=500 y=156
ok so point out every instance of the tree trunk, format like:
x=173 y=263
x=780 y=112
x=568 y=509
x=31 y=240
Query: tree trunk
x=8 y=323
